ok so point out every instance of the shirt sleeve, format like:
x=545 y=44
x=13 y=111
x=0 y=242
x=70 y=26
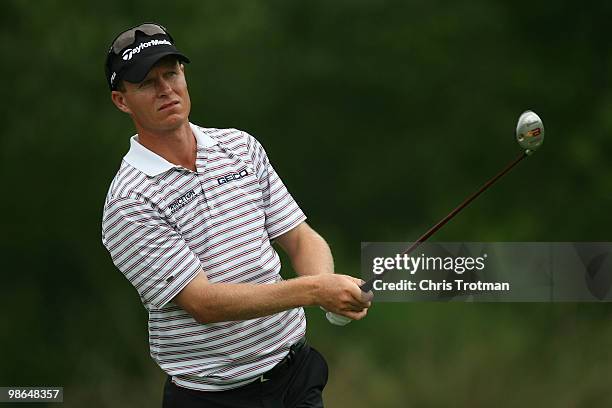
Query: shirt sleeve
x=282 y=212
x=147 y=250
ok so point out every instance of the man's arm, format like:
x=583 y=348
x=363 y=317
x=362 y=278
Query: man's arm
x=218 y=302
x=308 y=251
x=310 y=256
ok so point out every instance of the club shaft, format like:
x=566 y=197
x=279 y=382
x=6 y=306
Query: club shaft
x=366 y=287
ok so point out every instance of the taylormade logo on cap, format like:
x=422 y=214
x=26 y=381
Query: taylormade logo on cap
x=130 y=52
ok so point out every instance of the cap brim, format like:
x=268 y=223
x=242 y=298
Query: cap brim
x=137 y=72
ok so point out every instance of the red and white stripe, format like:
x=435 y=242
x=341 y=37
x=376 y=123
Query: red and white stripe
x=225 y=230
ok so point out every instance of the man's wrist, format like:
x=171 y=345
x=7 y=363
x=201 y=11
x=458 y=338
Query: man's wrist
x=312 y=289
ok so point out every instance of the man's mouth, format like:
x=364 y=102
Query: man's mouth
x=167 y=105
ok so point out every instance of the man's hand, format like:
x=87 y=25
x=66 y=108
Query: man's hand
x=310 y=256
x=341 y=294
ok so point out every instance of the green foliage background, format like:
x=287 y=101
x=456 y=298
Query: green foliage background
x=380 y=116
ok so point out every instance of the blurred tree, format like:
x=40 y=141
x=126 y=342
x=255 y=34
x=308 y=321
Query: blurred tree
x=380 y=116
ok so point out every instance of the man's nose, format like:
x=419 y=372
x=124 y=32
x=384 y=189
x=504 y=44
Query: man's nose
x=163 y=86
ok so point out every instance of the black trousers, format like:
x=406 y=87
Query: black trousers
x=298 y=384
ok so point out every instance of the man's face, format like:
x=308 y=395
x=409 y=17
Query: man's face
x=161 y=101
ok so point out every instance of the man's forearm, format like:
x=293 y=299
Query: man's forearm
x=229 y=301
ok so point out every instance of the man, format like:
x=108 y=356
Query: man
x=189 y=220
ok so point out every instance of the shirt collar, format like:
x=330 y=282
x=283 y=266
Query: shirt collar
x=153 y=164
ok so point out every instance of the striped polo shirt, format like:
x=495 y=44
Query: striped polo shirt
x=163 y=222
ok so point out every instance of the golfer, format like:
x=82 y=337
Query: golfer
x=189 y=219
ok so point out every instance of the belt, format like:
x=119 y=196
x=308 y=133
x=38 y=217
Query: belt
x=286 y=362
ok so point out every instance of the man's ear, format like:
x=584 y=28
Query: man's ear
x=119 y=100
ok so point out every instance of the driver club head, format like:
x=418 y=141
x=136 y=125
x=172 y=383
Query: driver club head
x=529 y=131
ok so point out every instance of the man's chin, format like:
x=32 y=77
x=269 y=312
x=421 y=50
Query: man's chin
x=174 y=121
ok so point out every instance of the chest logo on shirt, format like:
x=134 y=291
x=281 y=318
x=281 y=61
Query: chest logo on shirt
x=182 y=201
x=232 y=177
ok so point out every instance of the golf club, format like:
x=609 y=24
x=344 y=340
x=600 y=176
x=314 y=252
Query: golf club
x=529 y=135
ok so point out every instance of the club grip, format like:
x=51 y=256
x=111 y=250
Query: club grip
x=366 y=287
